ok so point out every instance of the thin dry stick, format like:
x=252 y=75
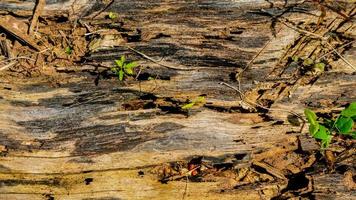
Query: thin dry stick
x=8 y=65
x=64 y=36
x=106 y=7
x=239 y=74
x=24 y=57
x=157 y=62
x=258 y=53
x=186 y=183
x=40 y=4
x=16 y=58
x=185 y=188
x=86 y=26
x=94 y=32
x=342 y=57
x=333 y=50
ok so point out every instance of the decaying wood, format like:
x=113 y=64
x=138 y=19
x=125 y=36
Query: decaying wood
x=64 y=137
x=12 y=28
x=40 y=4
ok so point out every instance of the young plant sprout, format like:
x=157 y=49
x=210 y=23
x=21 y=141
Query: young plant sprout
x=325 y=129
x=112 y=15
x=123 y=68
x=68 y=50
x=198 y=101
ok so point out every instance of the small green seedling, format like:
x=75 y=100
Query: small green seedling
x=123 y=68
x=309 y=64
x=112 y=15
x=319 y=66
x=198 y=101
x=68 y=50
x=325 y=129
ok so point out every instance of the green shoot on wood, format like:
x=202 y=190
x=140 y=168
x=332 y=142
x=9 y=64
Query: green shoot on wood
x=309 y=64
x=325 y=129
x=68 y=50
x=123 y=68
x=112 y=15
x=198 y=101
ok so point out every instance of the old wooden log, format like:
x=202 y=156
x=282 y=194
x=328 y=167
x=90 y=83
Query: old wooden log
x=63 y=137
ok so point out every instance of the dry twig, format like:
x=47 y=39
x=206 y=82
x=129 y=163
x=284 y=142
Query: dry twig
x=333 y=50
x=8 y=65
x=157 y=62
x=40 y=4
x=16 y=58
x=342 y=57
x=102 y=10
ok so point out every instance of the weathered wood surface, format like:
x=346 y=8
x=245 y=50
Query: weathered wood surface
x=60 y=131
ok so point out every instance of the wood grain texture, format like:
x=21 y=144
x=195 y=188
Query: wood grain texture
x=69 y=139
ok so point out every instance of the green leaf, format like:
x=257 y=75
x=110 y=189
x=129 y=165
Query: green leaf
x=344 y=124
x=131 y=65
x=353 y=134
x=320 y=66
x=350 y=111
x=199 y=99
x=121 y=75
x=295 y=58
x=119 y=63
x=311 y=116
x=112 y=15
x=188 y=106
x=68 y=50
x=123 y=59
x=129 y=71
x=322 y=133
x=114 y=69
x=313 y=129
